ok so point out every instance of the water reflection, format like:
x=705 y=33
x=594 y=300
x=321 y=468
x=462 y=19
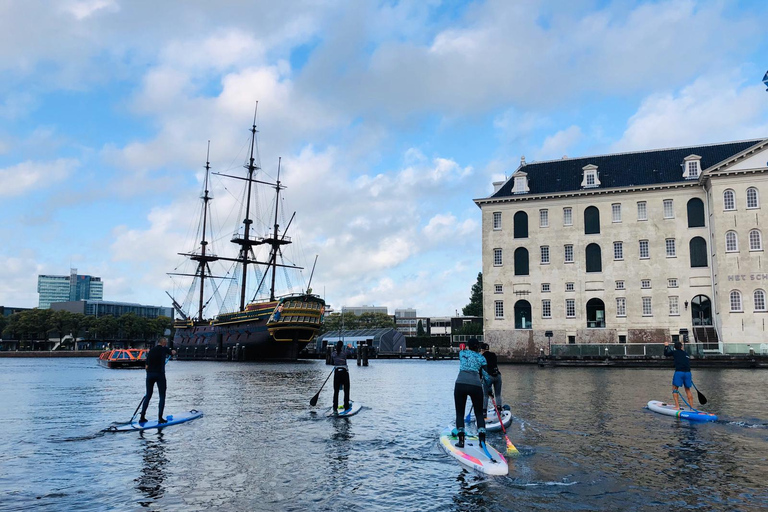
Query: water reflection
x=339 y=448
x=150 y=481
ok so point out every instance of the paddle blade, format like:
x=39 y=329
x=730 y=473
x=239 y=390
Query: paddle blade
x=511 y=450
x=702 y=398
x=313 y=402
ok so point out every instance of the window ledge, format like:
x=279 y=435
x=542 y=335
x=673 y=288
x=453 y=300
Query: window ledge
x=736 y=311
x=755 y=250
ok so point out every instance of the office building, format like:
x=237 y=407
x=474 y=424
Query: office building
x=68 y=288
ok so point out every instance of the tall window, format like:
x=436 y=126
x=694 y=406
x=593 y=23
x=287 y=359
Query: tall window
x=546 y=308
x=759 y=300
x=731 y=242
x=642 y=210
x=521 y=225
x=752 y=200
x=621 y=306
x=669 y=243
x=616 y=212
x=674 y=306
x=735 y=300
x=647 y=307
x=523 y=315
x=644 y=251
x=521 y=261
x=695 y=213
x=591 y=220
x=698 y=250
x=543 y=218
x=618 y=250
x=729 y=200
x=499 y=308
x=544 y=254
x=497 y=260
x=570 y=308
x=669 y=210
x=693 y=170
x=568 y=216
x=496 y=220
x=569 y=253
x=594 y=258
x=755 y=240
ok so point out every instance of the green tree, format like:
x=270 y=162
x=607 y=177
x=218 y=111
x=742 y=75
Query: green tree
x=63 y=323
x=475 y=306
x=375 y=321
x=420 y=332
x=470 y=329
x=4 y=320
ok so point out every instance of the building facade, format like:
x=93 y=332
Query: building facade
x=406 y=322
x=99 y=308
x=628 y=248
x=68 y=288
x=359 y=310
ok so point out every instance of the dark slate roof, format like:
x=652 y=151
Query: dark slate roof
x=622 y=169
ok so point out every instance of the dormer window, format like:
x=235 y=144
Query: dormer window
x=692 y=167
x=591 y=178
x=521 y=183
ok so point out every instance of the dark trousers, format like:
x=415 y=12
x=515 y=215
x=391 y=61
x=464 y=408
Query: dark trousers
x=340 y=378
x=460 y=394
x=152 y=379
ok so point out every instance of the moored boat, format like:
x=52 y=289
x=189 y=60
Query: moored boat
x=123 y=358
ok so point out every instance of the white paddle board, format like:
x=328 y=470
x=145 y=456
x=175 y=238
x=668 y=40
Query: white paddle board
x=473 y=456
x=492 y=423
x=341 y=413
x=685 y=413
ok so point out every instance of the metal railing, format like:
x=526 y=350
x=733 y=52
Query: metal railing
x=651 y=349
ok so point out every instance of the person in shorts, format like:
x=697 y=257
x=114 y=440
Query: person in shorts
x=682 y=376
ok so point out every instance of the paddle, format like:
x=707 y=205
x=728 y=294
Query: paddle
x=313 y=402
x=702 y=398
x=511 y=450
x=468 y=417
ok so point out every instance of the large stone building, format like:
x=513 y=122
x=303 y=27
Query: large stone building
x=628 y=248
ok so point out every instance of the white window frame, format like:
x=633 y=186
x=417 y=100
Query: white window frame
x=693 y=169
x=544 y=218
x=645 y=284
x=645 y=244
x=759 y=303
x=674 y=306
x=546 y=308
x=729 y=200
x=498 y=257
x=545 y=288
x=570 y=287
x=565 y=255
x=647 y=306
x=731 y=241
x=544 y=250
x=620 y=284
x=498 y=309
x=521 y=185
x=642 y=210
x=735 y=302
x=669 y=209
x=621 y=306
x=618 y=251
x=498 y=288
x=570 y=308
x=753 y=202
x=670 y=247
x=616 y=212
x=672 y=282
x=496 y=221
x=567 y=216
x=755 y=240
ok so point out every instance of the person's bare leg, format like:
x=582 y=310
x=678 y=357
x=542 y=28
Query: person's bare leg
x=690 y=396
x=674 y=395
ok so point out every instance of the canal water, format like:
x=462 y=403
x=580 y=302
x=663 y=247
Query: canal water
x=586 y=440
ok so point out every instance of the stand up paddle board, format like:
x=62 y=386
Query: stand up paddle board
x=341 y=413
x=492 y=423
x=174 y=419
x=472 y=455
x=686 y=413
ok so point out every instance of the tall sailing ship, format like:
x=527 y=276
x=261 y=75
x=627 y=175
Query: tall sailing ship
x=264 y=326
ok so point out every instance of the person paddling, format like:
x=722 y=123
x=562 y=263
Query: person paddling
x=682 y=376
x=340 y=374
x=493 y=386
x=155 y=367
x=472 y=366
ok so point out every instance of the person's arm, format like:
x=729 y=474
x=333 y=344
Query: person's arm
x=667 y=351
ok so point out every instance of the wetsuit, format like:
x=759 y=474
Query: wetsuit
x=468 y=384
x=340 y=376
x=156 y=375
x=494 y=381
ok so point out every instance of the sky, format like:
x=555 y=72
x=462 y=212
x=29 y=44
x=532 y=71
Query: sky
x=388 y=119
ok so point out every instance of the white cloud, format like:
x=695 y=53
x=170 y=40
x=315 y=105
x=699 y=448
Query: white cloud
x=87 y=8
x=557 y=145
x=22 y=178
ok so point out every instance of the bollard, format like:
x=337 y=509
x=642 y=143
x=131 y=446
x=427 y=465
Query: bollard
x=365 y=355
x=359 y=355
x=328 y=351
x=751 y=351
x=229 y=353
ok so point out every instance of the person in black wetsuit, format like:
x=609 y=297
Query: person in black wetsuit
x=340 y=374
x=682 y=376
x=495 y=378
x=156 y=375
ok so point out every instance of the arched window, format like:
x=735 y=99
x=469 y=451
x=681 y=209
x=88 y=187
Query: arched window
x=591 y=220
x=729 y=200
x=523 y=315
x=752 y=198
x=521 y=261
x=736 y=301
x=594 y=258
x=755 y=240
x=521 y=225
x=695 y=213
x=759 y=300
x=698 y=250
x=731 y=242
x=595 y=314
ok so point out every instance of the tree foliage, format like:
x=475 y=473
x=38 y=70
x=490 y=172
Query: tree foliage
x=349 y=321
x=475 y=306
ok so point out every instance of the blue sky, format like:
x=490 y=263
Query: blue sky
x=390 y=117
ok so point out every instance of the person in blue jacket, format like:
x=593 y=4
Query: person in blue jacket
x=472 y=367
x=682 y=376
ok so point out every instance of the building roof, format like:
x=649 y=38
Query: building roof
x=642 y=168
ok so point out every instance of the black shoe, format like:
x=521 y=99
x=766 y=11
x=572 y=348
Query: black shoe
x=142 y=420
x=460 y=444
x=162 y=420
x=481 y=437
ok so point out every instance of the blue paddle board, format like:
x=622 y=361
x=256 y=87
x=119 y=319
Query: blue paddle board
x=685 y=413
x=173 y=419
x=341 y=413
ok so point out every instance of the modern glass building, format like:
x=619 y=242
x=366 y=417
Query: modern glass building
x=99 y=308
x=73 y=287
